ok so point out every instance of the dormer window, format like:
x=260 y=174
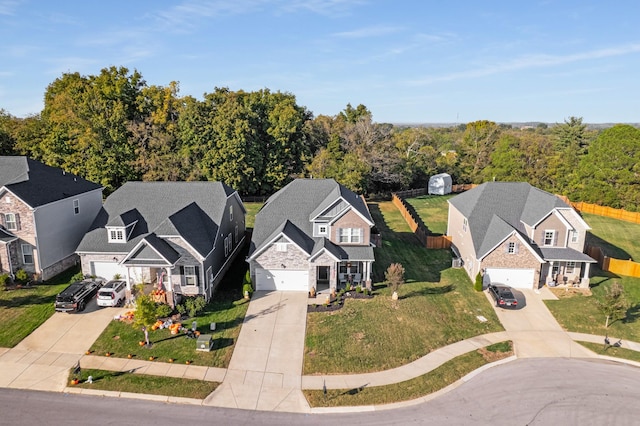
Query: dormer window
x=116 y=235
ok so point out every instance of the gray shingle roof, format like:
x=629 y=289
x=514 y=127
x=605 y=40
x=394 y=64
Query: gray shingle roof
x=562 y=254
x=191 y=210
x=38 y=184
x=495 y=209
x=297 y=203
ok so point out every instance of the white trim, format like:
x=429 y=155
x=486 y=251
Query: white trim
x=268 y=244
x=127 y=256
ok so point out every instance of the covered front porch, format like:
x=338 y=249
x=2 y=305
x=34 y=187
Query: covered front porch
x=341 y=275
x=566 y=267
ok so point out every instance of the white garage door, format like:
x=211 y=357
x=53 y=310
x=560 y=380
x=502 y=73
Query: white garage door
x=516 y=278
x=107 y=270
x=282 y=279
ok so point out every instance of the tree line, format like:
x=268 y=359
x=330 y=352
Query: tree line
x=112 y=127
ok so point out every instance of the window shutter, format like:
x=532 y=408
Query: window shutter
x=506 y=248
x=516 y=246
x=197 y=275
x=3 y=222
x=17 y=222
x=555 y=238
x=182 y=270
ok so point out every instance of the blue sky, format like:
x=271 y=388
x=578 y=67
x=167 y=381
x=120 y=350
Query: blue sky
x=407 y=61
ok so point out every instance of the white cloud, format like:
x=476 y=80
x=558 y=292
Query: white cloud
x=8 y=7
x=530 y=62
x=375 y=31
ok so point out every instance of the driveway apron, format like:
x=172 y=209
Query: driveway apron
x=534 y=331
x=266 y=365
x=42 y=360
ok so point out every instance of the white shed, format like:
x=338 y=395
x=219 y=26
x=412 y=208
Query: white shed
x=440 y=184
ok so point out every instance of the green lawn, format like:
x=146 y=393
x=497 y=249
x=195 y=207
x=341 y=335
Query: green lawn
x=618 y=238
x=600 y=349
x=433 y=210
x=580 y=313
x=252 y=209
x=433 y=381
x=144 y=383
x=437 y=307
x=23 y=310
x=227 y=309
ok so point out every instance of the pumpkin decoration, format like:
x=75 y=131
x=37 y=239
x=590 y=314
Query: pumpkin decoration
x=107 y=354
x=75 y=381
x=187 y=362
x=142 y=343
x=130 y=356
x=151 y=358
x=171 y=360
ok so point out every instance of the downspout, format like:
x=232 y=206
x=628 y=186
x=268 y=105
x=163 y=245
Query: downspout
x=9 y=259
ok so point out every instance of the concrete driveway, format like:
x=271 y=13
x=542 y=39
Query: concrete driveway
x=265 y=371
x=43 y=359
x=534 y=331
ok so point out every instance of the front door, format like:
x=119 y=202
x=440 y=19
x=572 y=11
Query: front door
x=322 y=278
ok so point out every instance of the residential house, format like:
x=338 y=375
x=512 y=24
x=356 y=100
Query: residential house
x=179 y=236
x=519 y=235
x=44 y=213
x=313 y=233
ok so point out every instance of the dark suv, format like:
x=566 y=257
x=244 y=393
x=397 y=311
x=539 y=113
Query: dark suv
x=503 y=296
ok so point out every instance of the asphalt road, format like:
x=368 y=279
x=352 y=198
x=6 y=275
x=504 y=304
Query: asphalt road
x=539 y=391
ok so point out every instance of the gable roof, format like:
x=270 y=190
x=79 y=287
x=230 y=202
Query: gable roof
x=189 y=210
x=495 y=209
x=297 y=204
x=38 y=184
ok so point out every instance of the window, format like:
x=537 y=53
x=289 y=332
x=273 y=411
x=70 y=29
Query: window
x=350 y=235
x=7 y=199
x=570 y=267
x=11 y=222
x=511 y=248
x=322 y=229
x=116 y=236
x=464 y=225
x=574 y=236
x=27 y=254
x=76 y=206
x=281 y=246
x=190 y=275
x=549 y=237
x=231 y=213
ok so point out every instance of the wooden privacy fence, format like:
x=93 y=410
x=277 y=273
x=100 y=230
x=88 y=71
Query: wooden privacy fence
x=628 y=268
x=411 y=193
x=621 y=214
x=418 y=227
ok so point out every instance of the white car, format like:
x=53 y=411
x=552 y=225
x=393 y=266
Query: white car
x=112 y=293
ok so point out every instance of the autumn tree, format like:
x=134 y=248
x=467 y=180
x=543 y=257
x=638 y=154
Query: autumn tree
x=476 y=148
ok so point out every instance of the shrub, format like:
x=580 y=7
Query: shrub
x=181 y=309
x=4 y=279
x=194 y=305
x=358 y=289
x=394 y=276
x=163 y=310
x=247 y=288
x=77 y=277
x=478 y=286
x=22 y=276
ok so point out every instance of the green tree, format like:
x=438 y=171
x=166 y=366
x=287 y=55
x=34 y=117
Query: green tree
x=613 y=305
x=145 y=313
x=353 y=115
x=476 y=148
x=608 y=173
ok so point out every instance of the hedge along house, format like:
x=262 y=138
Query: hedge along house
x=44 y=213
x=313 y=233
x=179 y=236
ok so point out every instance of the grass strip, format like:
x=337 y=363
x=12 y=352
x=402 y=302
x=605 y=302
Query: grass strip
x=439 y=378
x=144 y=384
x=600 y=349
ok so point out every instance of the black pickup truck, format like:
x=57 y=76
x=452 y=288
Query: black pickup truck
x=75 y=297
